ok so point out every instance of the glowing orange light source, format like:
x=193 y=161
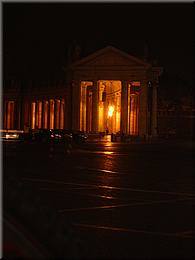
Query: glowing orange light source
x=110 y=111
x=108 y=152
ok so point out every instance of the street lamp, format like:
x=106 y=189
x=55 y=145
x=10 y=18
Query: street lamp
x=110 y=111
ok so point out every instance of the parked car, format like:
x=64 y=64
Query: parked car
x=56 y=139
x=75 y=136
x=62 y=135
x=41 y=135
x=79 y=136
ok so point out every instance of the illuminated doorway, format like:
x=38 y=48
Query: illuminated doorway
x=109 y=109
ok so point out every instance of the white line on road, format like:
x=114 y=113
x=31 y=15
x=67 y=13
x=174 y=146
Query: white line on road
x=81 y=194
x=110 y=187
x=119 y=229
x=123 y=205
x=101 y=170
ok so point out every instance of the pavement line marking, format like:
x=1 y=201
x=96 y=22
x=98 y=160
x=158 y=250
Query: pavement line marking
x=100 y=170
x=79 y=188
x=111 y=187
x=130 y=230
x=111 y=197
x=93 y=208
x=121 y=205
x=83 y=194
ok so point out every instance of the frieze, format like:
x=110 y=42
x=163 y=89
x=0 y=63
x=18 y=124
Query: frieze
x=109 y=75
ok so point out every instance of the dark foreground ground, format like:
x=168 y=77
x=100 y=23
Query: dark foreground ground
x=104 y=200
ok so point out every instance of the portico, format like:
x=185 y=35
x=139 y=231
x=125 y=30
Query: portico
x=112 y=91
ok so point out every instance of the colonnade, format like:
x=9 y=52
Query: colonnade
x=133 y=113
x=126 y=107
x=47 y=114
x=9 y=111
x=132 y=106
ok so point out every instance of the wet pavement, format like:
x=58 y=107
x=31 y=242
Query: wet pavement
x=125 y=200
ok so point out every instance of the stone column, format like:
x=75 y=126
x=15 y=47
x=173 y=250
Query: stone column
x=61 y=114
x=48 y=115
x=26 y=115
x=8 y=115
x=68 y=113
x=5 y=115
x=76 y=96
x=143 y=110
x=36 y=114
x=154 y=109
x=89 y=109
x=52 y=116
x=21 y=106
x=124 y=107
x=43 y=114
x=20 y=113
x=56 y=113
x=95 y=102
x=40 y=108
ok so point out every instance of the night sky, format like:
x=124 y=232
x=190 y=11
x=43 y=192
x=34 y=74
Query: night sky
x=36 y=36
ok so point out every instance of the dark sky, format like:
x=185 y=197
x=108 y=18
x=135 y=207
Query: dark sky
x=36 y=36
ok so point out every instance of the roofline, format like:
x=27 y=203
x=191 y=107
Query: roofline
x=101 y=51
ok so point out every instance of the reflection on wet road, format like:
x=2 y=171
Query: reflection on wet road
x=122 y=194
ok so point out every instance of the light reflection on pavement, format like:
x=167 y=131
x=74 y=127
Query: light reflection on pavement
x=140 y=192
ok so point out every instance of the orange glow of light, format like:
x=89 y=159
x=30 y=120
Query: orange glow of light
x=101 y=117
x=110 y=111
x=107 y=152
x=33 y=106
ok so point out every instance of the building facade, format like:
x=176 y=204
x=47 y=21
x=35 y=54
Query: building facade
x=107 y=91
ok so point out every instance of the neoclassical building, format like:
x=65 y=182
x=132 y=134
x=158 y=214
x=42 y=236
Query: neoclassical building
x=108 y=90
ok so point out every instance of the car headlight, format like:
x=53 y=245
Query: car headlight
x=11 y=136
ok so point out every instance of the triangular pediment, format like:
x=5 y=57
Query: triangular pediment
x=110 y=56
